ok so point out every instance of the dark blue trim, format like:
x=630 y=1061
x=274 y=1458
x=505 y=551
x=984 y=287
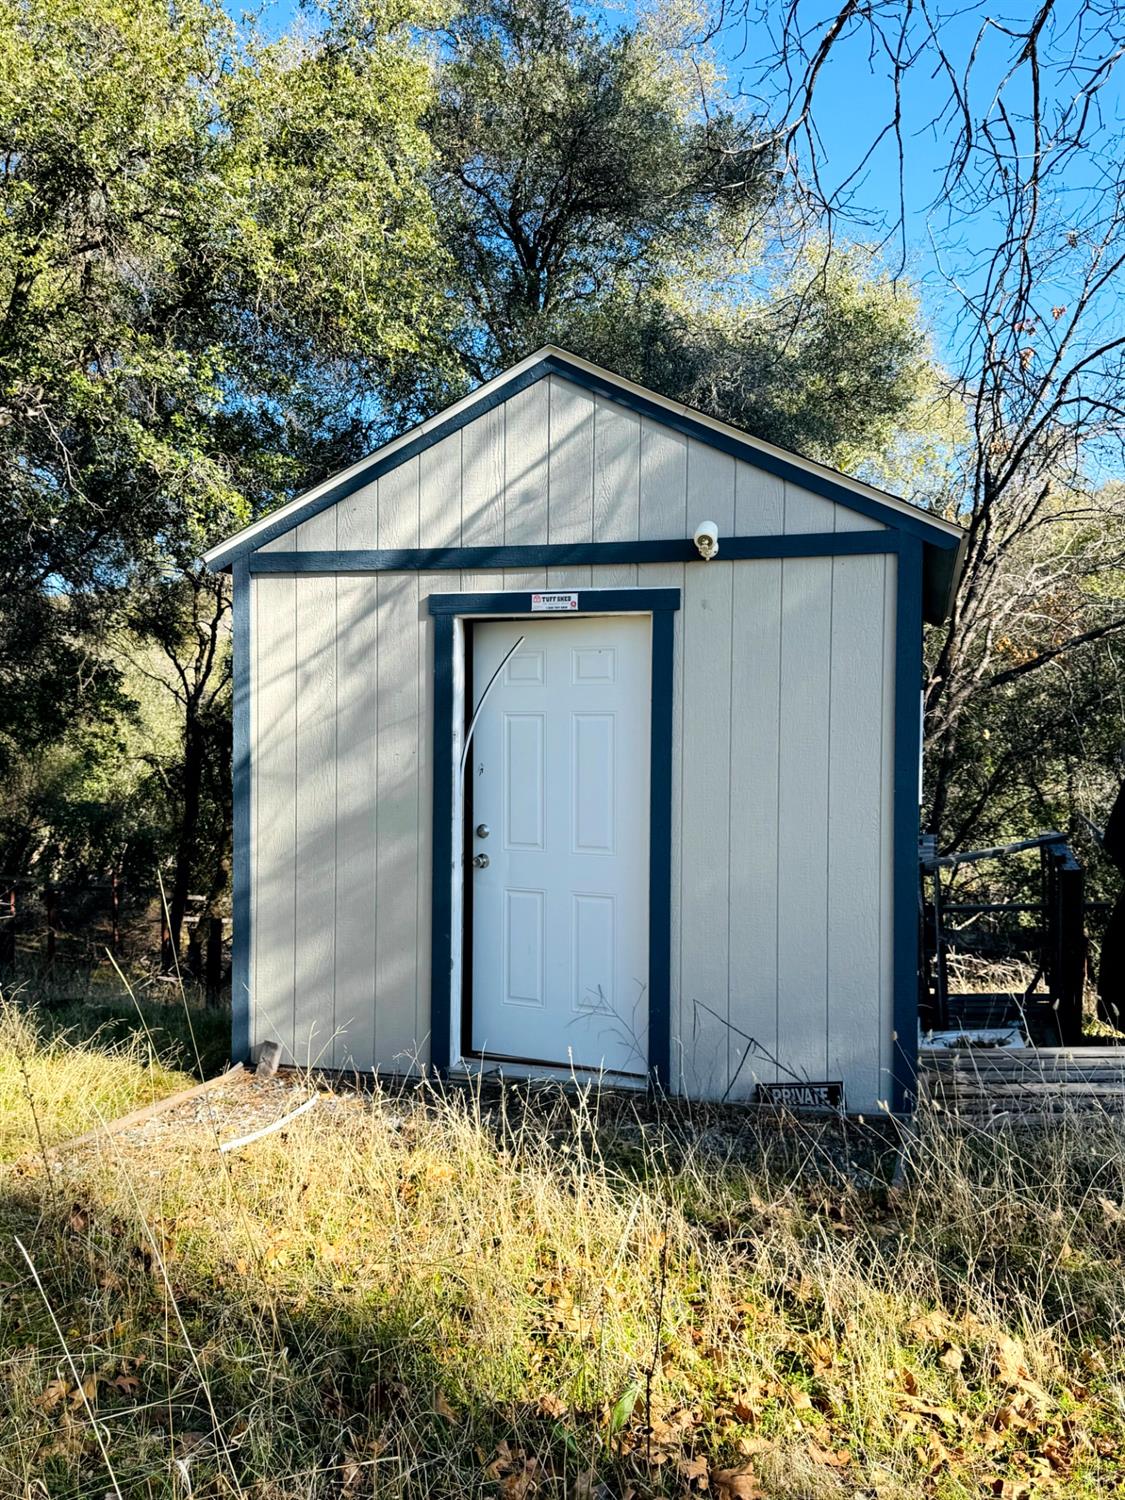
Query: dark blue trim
x=660 y=853
x=590 y=602
x=661 y=603
x=943 y=550
x=907 y=732
x=572 y=554
x=441 y=899
x=240 y=875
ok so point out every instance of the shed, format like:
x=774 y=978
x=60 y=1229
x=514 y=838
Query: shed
x=523 y=782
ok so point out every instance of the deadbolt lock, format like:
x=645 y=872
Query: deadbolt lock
x=483 y=830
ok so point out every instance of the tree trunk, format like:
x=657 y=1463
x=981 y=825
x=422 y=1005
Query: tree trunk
x=187 y=836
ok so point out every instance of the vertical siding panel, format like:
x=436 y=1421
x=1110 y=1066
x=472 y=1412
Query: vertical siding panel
x=527 y=579
x=273 y=891
x=887 y=863
x=663 y=516
x=759 y=503
x=613 y=576
x=710 y=489
x=855 y=794
x=617 y=473
x=357 y=515
x=527 y=438
x=851 y=520
x=755 y=744
x=357 y=770
x=482 y=481
x=705 y=897
x=802 y=875
x=577 y=577
x=570 y=509
x=807 y=512
x=396 y=872
x=439 y=499
x=286 y=542
x=663 y=483
x=706 y=792
x=315 y=971
x=482 y=583
x=428 y=583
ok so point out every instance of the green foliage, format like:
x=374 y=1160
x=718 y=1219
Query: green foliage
x=212 y=251
x=196 y=253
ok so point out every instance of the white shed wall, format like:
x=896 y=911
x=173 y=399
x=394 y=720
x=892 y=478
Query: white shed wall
x=781 y=879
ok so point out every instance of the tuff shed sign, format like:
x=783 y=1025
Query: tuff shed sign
x=802 y=1096
x=547 y=602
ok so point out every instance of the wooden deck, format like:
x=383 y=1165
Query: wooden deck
x=1028 y=1083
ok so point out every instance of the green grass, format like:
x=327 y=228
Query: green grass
x=103 y=1005
x=528 y=1296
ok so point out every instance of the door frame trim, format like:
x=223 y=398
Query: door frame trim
x=449 y=612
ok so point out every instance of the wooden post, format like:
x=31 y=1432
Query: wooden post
x=167 y=957
x=1072 y=954
x=194 y=962
x=114 y=915
x=49 y=907
x=8 y=928
x=1065 y=939
x=214 y=959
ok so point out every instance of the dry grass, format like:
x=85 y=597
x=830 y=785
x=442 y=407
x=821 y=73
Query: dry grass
x=434 y=1295
x=53 y=1088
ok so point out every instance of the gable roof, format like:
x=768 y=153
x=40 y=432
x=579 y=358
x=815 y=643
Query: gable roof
x=943 y=541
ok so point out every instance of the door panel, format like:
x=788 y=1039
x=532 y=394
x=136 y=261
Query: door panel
x=559 y=774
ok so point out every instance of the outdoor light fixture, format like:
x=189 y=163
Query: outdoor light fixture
x=707 y=540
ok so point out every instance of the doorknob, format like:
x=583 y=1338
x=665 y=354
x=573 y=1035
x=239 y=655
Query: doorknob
x=480 y=861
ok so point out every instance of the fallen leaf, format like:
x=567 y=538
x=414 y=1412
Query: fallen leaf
x=522 y=1483
x=822 y=1354
x=85 y=1393
x=736 y=1484
x=53 y=1393
x=443 y=1408
x=930 y=1327
x=743 y=1408
x=943 y=1414
x=501 y=1461
x=952 y=1357
x=1009 y=1360
x=832 y=1458
x=551 y=1406
x=692 y=1469
x=1031 y=1388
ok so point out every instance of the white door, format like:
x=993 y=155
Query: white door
x=558 y=773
